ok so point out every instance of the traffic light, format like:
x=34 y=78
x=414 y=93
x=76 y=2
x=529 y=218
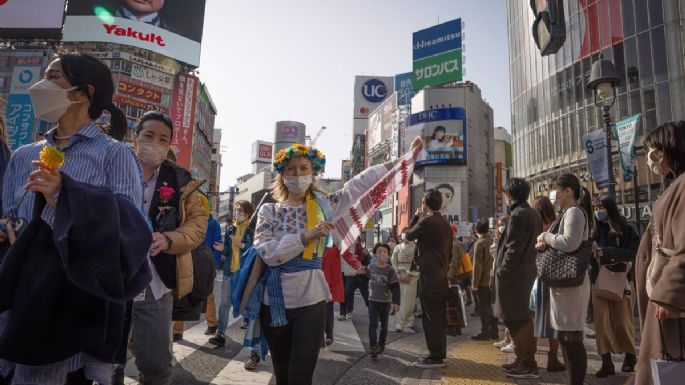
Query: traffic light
x=549 y=28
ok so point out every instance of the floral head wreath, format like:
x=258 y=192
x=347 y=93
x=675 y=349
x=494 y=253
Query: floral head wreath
x=317 y=157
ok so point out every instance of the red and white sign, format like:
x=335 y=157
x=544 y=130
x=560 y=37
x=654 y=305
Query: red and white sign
x=262 y=152
x=183 y=115
x=129 y=32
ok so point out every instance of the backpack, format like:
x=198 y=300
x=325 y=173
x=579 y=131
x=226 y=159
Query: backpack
x=191 y=306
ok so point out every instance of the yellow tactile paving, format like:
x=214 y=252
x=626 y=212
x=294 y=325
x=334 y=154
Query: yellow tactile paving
x=474 y=363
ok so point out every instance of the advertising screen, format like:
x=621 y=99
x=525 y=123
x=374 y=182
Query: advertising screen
x=169 y=27
x=451 y=199
x=381 y=122
x=437 y=55
x=31 y=19
x=444 y=133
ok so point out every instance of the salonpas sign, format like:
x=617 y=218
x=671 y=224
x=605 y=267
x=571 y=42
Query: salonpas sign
x=626 y=130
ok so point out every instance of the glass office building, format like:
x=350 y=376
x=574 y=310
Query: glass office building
x=551 y=106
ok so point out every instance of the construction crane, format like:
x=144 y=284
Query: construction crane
x=312 y=142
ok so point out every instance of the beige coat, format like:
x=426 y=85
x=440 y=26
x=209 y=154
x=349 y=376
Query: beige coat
x=189 y=235
x=668 y=217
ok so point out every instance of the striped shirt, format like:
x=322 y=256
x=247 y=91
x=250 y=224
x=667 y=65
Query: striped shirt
x=90 y=157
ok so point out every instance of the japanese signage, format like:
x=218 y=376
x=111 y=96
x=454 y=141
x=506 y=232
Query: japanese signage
x=148 y=75
x=31 y=19
x=437 y=55
x=444 y=134
x=19 y=114
x=381 y=122
x=139 y=104
x=626 y=130
x=126 y=88
x=451 y=199
x=595 y=144
x=134 y=59
x=169 y=27
x=183 y=116
x=262 y=152
x=404 y=89
x=370 y=92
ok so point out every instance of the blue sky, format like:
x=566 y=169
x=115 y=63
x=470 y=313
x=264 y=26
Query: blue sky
x=270 y=60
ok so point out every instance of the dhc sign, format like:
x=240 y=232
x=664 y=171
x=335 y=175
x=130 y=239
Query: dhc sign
x=374 y=91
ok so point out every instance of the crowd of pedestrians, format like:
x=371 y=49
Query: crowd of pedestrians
x=128 y=285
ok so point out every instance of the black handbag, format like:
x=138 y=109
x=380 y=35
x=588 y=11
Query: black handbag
x=558 y=269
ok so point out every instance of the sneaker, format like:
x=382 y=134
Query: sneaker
x=589 y=333
x=522 y=371
x=253 y=362
x=428 y=363
x=408 y=330
x=501 y=344
x=342 y=318
x=218 y=340
x=374 y=352
x=381 y=349
x=510 y=365
x=481 y=337
x=509 y=348
x=348 y=316
x=244 y=324
x=398 y=328
x=211 y=330
x=177 y=337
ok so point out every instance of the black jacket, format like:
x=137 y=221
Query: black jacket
x=434 y=236
x=68 y=290
x=615 y=249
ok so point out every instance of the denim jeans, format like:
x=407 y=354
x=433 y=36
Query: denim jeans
x=224 y=305
x=378 y=311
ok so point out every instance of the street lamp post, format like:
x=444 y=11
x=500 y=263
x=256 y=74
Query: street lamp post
x=603 y=81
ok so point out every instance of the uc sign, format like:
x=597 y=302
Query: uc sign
x=374 y=91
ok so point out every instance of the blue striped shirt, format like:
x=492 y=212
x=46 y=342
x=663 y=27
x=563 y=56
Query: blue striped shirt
x=90 y=157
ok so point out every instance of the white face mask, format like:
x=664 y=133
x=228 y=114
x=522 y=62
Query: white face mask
x=298 y=184
x=240 y=217
x=151 y=154
x=50 y=101
x=654 y=164
x=501 y=229
x=553 y=197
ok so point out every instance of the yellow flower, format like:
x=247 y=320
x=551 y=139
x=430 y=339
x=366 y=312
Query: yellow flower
x=319 y=154
x=280 y=157
x=52 y=157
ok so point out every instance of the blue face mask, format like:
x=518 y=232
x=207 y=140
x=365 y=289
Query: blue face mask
x=601 y=215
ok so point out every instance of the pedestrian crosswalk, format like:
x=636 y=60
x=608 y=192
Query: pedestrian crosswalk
x=189 y=354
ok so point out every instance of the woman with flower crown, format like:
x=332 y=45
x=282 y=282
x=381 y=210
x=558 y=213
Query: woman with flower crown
x=291 y=236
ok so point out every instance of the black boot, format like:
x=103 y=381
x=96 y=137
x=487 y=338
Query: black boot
x=607 y=368
x=629 y=362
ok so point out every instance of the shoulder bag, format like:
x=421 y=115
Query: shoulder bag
x=612 y=281
x=559 y=269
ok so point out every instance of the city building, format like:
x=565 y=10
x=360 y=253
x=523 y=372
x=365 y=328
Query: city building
x=215 y=175
x=503 y=166
x=552 y=108
x=460 y=164
x=203 y=138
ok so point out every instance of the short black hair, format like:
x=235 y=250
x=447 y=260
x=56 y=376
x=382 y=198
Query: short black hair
x=446 y=186
x=518 y=188
x=433 y=199
x=384 y=245
x=158 y=116
x=482 y=226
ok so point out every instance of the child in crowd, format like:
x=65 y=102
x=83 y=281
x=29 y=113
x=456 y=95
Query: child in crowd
x=385 y=291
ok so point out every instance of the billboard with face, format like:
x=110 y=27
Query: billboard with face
x=31 y=19
x=169 y=27
x=451 y=199
x=444 y=133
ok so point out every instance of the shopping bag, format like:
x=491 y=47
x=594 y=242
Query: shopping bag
x=669 y=370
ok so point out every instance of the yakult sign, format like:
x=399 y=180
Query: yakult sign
x=370 y=92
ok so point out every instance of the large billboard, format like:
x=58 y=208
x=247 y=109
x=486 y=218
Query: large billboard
x=19 y=113
x=437 y=55
x=288 y=133
x=31 y=19
x=444 y=133
x=169 y=27
x=381 y=123
x=370 y=92
x=451 y=199
x=183 y=115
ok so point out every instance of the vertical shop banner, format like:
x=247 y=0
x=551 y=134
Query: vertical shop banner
x=437 y=55
x=19 y=113
x=183 y=116
x=403 y=87
x=626 y=130
x=596 y=148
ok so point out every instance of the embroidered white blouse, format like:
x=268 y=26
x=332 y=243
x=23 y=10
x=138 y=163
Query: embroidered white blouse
x=277 y=238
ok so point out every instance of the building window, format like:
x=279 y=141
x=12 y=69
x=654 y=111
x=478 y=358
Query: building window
x=659 y=55
x=628 y=18
x=641 y=15
x=645 y=58
x=656 y=12
x=663 y=98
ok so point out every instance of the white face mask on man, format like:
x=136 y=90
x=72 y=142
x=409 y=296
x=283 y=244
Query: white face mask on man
x=151 y=154
x=298 y=184
x=553 y=197
x=50 y=101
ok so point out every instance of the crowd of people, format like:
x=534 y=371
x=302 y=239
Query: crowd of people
x=126 y=285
